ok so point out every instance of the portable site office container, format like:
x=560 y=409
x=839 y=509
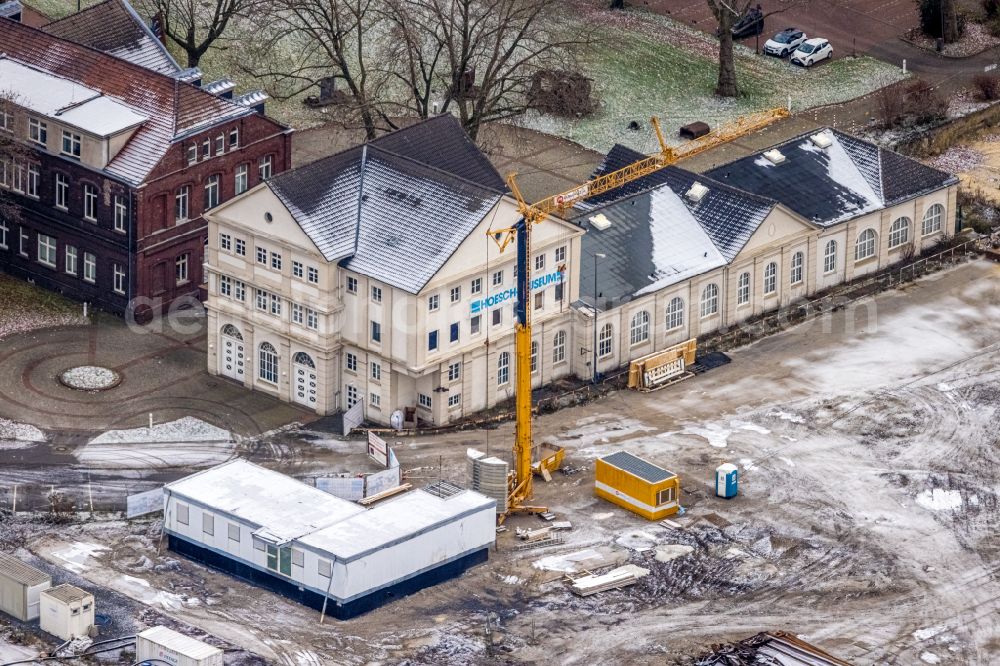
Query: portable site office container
x=637 y=485
x=312 y=547
x=160 y=644
x=20 y=587
x=66 y=611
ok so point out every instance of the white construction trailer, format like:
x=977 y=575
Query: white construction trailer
x=20 y=587
x=322 y=550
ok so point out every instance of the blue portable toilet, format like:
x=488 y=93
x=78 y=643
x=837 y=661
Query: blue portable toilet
x=726 y=476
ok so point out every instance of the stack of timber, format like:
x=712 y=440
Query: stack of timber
x=590 y=583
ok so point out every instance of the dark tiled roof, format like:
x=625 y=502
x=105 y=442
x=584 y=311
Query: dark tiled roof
x=637 y=467
x=114 y=27
x=410 y=217
x=173 y=108
x=851 y=177
x=440 y=142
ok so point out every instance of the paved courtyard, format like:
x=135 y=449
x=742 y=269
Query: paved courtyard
x=163 y=373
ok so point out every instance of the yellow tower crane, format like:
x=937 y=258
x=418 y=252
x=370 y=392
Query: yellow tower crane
x=520 y=483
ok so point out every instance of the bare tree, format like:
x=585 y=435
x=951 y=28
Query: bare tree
x=11 y=150
x=949 y=21
x=194 y=25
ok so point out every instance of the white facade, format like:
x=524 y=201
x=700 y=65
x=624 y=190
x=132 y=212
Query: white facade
x=66 y=611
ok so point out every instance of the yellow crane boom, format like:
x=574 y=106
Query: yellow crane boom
x=520 y=486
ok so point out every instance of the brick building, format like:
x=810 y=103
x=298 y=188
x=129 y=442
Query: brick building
x=121 y=162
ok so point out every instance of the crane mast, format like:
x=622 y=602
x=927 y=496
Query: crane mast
x=520 y=485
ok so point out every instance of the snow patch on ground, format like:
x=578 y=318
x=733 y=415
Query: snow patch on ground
x=713 y=433
x=752 y=427
x=75 y=557
x=187 y=429
x=939 y=499
x=141 y=590
x=672 y=551
x=944 y=387
x=637 y=540
x=154 y=455
x=785 y=416
x=928 y=632
x=10 y=654
x=567 y=563
x=929 y=658
x=19 y=432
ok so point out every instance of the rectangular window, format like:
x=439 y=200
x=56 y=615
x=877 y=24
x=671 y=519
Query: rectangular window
x=454 y=372
x=454 y=400
x=183 y=514
x=453 y=334
x=297 y=270
x=375 y=400
x=4 y=230
x=560 y=255
x=208 y=523
x=234 y=138
x=70 y=144
x=241 y=178
x=298 y=314
x=432 y=341
x=540 y=262
x=121 y=214
x=312 y=275
x=424 y=400
x=540 y=300
x=47 y=250
x=17 y=177
x=220 y=144
x=239 y=291
x=433 y=302
x=181 y=268
x=70 y=264
x=261 y=256
x=376 y=369
x=474 y=324
x=258 y=543
x=38 y=131
x=352 y=285
x=34 y=176
x=298 y=558
x=212 y=192
x=89 y=202
x=234 y=532
x=225 y=285
x=89 y=267
x=264 y=167
x=312 y=319
x=665 y=496
x=241 y=247
x=119 y=273
x=6 y=172
x=206 y=149
x=324 y=568
x=376 y=332
x=477 y=286
x=497 y=278
x=192 y=153
x=377 y=294
x=261 y=300
x=23 y=242
x=276 y=305
x=6 y=121
x=352 y=362
x=497 y=317
x=181 y=200
x=276 y=261
x=456 y=294
x=225 y=242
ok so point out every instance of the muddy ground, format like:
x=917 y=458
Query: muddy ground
x=865 y=522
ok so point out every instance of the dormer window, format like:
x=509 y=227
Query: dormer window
x=70 y=144
x=38 y=131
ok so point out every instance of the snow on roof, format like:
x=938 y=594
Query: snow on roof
x=178 y=642
x=394 y=520
x=65 y=100
x=284 y=507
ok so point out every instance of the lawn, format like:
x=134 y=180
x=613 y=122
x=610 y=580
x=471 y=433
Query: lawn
x=644 y=64
x=25 y=307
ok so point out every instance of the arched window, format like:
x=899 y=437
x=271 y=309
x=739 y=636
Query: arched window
x=932 y=219
x=534 y=356
x=899 y=232
x=503 y=368
x=743 y=289
x=797 y=261
x=639 y=329
x=675 y=313
x=302 y=358
x=771 y=278
x=604 y=341
x=559 y=347
x=864 y=247
x=268 y=367
x=830 y=257
x=709 y=300
x=232 y=331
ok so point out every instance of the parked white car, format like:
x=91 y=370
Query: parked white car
x=812 y=51
x=784 y=42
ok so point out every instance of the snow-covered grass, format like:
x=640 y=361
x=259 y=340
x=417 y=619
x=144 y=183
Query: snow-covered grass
x=186 y=429
x=25 y=307
x=645 y=65
x=19 y=432
x=90 y=378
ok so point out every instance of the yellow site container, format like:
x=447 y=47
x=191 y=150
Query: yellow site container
x=639 y=486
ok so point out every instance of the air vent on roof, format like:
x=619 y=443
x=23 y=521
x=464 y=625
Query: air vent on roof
x=600 y=222
x=697 y=192
x=821 y=139
x=774 y=156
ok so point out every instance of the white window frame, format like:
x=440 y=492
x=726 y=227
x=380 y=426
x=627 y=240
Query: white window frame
x=771 y=279
x=121 y=214
x=638 y=329
x=241 y=179
x=181 y=266
x=503 y=369
x=454 y=372
x=312 y=275
x=866 y=245
x=118 y=271
x=933 y=220
x=455 y=294
x=47 y=250
x=709 y=300
x=798 y=264
x=743 y=289
x=89 y=268
x=74 y=141
x=212 y=190
x=559 y=347
x=830 y=257
x=433 y=303
x=477 y=286
x=424 y=400
x=265 y=167
x=675 y=313
x=899 y=232
x=605 y=341
x=268 y=363
x=62 y=191
x=38 y=131
x=4 y=230
x=69 y=259
x=89 y=202
x=182 y=204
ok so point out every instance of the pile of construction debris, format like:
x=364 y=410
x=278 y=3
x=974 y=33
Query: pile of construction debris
x=777 y=648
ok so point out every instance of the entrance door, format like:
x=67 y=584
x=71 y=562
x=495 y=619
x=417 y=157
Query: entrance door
x=304 y=386
x=231 y=360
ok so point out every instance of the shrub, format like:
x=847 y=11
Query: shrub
x=991 y=7
x=992 y=25
x=889 y=107
x=988 y=86
x=923 y=102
